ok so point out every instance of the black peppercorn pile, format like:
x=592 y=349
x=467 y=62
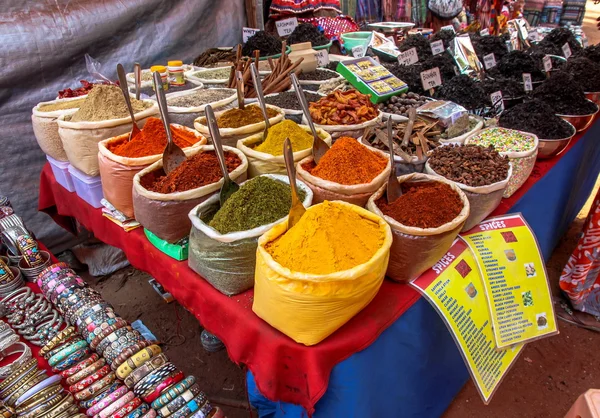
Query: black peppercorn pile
x=410 y=74
x=510 y=88
x=417 y=41
x=446 y=36
x=537 y=118
x=514 y=64
x=465 y=91
x=592 y=52
x=564 y=95
x=585 y=72
x=472 y=165
x=560 y=36
x=266 y=43
x=485 y=45
x=305 y=32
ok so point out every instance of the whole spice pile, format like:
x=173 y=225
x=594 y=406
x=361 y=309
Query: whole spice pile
x=560 y=36
x=305 y=32
x=273 y=143
x=585 y=72
x=464 y=91
x=69 y=104
x=417 y=41
x=258 y=202
x=343 y=108
x=264 y=42
x=503 y=140
x=410 y=74
x=348 y=162
x=216 y=74
x=471 y=165
x=592 y=52
x=214 y=56
x=399 y=105
x=85 y=88
x=485 y=45
x=445 y=35
x=289 y=99
x=564 y=95
x=106 y=102
x=509 y=87
x=236 y=118
x=446 y=64
x=429 y=204
x=200 y=97
x=320 y=74
x=514 y=64
x=196 y=171
x=536 y=117
x=424 y=137
x=151 y=140
x=329 y=237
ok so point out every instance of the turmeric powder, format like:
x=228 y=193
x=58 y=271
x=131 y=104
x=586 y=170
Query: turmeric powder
x=273 y=143
x=330 y=237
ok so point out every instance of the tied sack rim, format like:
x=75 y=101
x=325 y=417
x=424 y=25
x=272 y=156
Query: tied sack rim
x=342 y=275
x=200 y=109
x=412 y=230
x=109 y=123
x=509 y=154
x=250 y=233
x=487 y=189
x=202 y=127
x=344 y=128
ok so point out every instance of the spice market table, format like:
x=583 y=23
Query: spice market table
x=397 y=342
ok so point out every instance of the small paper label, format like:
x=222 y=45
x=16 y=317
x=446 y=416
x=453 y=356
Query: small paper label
x=448 y=27
x=322 y=57
x=431 y=78
x=247 y=33
x=484 y=32
x=489 y=61
x=497 y=101
x=359 y=51
x=547 y=63
x=527 y=84
x=286 y=26
x=408 y=57
x=566 y=49
x=534 y=35
x=437 y=47
x=585 y=42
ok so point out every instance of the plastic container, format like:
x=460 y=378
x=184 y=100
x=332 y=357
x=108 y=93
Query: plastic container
x=353 y=39
x=164 y=75
x=87 y=187
x=60 y=169
x=175 y=70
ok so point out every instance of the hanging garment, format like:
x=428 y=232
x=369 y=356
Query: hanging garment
x=368 y=11
x=279 y=7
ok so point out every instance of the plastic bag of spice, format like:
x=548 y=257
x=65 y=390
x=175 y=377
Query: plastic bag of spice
x=117 y=172
x=187 y=115
x=165 y=215
x=80 y=139
x=264 y=163
x=228 y=261
x=354 y=131
x=414 y=250
x=230 y=136
x=45 y=126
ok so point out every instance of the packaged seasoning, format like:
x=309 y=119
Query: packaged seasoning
x=343 y=108
x=164 y=75
x=152 y=140
x=503 y=140
x=67 y=104
x=200 y=97
x=328 y=238
x=258 y=202
x=106 y=102
x=175 y=70
x=273 y=143
x=236 y=118
x=197 y=171
x=348 y=162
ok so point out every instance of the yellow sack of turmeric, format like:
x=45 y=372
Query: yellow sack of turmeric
x=312 y=279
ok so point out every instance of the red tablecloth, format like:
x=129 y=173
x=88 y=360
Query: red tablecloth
x=284 y=370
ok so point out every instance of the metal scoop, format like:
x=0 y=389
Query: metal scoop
x=123 y=84
x=297 y=209
x=320 y=147
x=239 y=85
x=137 y=73
x=229 y=186
x=173 y=156
x=394 y=189
x=260 y=96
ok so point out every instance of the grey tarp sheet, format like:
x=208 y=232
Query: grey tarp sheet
x=42 y=48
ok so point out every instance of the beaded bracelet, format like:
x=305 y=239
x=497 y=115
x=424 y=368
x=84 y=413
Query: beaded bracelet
x=100 y=395
x=145 y=369
x=72 y=360
x=124 y=411
x=92 y=378
x=63 y=335
x=174 y=392
x=192 y=406
x=180 y=401
x=95 y=388
x=112 y=334
x=107 y=400
x=152 y=394
x=133 y=351
x=116 y=405
x=153 y=378
x=66 y=352
x=139 y=412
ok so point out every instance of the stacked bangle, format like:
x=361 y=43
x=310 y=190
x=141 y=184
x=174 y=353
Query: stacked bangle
x=125 y=410
x=135 y=359
x=153 y=393
x=72 y=360
x=114 y=335
x=138 y=374
x=107 y=400
x=21 y=389
x=95 y=388
x=138 y=413
x=173 y=392
x=89 y=380
x=107 y=332
x=42 y=408
x=150 y=414
x=44 y=384
x=65 y=403
x=22 y=371
x=199 y=403
x=116 y=347
x=24 y=358
x=100 y=395
x=116 y=405
x=42 y=396
x=80 y=366
x=86 y=371
x=180 y=401
x=155 y=377
x=58 y=339
x=66 y=352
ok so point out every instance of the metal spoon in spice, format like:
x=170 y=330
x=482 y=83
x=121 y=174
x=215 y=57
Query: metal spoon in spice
x=320 y=147
x=260 y=96
x=123 y=84
x=229 y=186
x=137 y=73
x=173 y=156
x=239 y=85
x=297 y=209
x=394 y=189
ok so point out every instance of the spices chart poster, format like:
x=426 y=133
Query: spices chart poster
x=455 y=289
x=514 y=275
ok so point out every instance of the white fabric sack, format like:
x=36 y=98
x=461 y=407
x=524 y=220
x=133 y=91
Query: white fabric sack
x=187 y=115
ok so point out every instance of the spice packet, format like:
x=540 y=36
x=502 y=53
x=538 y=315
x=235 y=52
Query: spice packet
x=464 y=54
x=447 y=113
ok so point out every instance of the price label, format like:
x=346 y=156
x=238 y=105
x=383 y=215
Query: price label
x=585 y=42
x=286 y=26
x=527 y=84
x=547 y=63
x=448 y=27
x=437 y=47
x=248 y=33
x=534 y=36
x=359 y=51
x=322 y=57
x=497 y=101
x=484 y=32
x=431 y=78
x=489 y=61
x=408 y=57
x=566 y=50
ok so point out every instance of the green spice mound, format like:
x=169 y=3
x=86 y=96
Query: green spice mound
x=106 y=102
x=258 y=202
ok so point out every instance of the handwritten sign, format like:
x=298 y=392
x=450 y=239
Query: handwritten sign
x=286 y=26
x=359 y=51
x=437 y=47
x=489 y=61
x=547 y=63
x=431 y=78
x=497 y=101
x=566 y=50
x=248 y=33
x=534 y=35
x=527 y=84
x=408 y=57
x=484 y=32
x=322 y=57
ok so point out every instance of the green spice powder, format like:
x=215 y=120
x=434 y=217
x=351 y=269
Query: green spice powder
x=258 y=202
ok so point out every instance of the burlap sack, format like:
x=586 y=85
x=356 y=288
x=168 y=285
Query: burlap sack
x=165 y=215
x=414 y=250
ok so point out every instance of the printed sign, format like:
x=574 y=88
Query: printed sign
x=359 y=51
x=566 y=50
x=437 y=47
x=431 y=78
x=484 y=32
x=497 y=101
x=547 y=63
x=247 y=33
x=322 y=57
x=527 y=84
x=286 y=26
x=408 y=57
x=489 y=61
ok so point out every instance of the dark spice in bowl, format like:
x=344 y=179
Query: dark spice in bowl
x=445 y=35
x=417 y=41
x=564 y=95
x=536 y=117
x=585 y=72
x=289 y=100
x=485 y=45
x=305 y=32
x=266 y=43
x=464 y=91
x=320 y=74
x=561 y=36
x=514 y=64
x=510 y=88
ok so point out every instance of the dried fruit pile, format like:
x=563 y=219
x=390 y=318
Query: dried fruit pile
x=343 y=108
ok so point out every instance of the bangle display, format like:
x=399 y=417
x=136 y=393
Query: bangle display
x=27 y=368
x=20 y=390
x=14 y=348
x=124 y=411
x=137 y=359
x=121 y=329
x=43 y=407
x=66 y=352
x=145 y=369
x=150 y=414
x=63 y=335
x=139 y=412
x=116 y=405
x=199 y=403
x=80 y=366
x=180 y=401
x=115 y=348
x=106 y=333
x=86 y=371
x=89 y=380
x=39 y=398
x=155 y=392
x=173 y=392
x=93 y=330
x=66 y=403
x=153 y=378
x=50 y=381
x=90 y=391
x=101 y=394
x=107 y=400
x=73 y=359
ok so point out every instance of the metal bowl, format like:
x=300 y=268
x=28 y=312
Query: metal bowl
x=580 y=122
x=549 y=148
x=593 y=96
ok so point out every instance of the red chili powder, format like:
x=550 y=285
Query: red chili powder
x=348 y=162
x=423 y=205
x=197 y=171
